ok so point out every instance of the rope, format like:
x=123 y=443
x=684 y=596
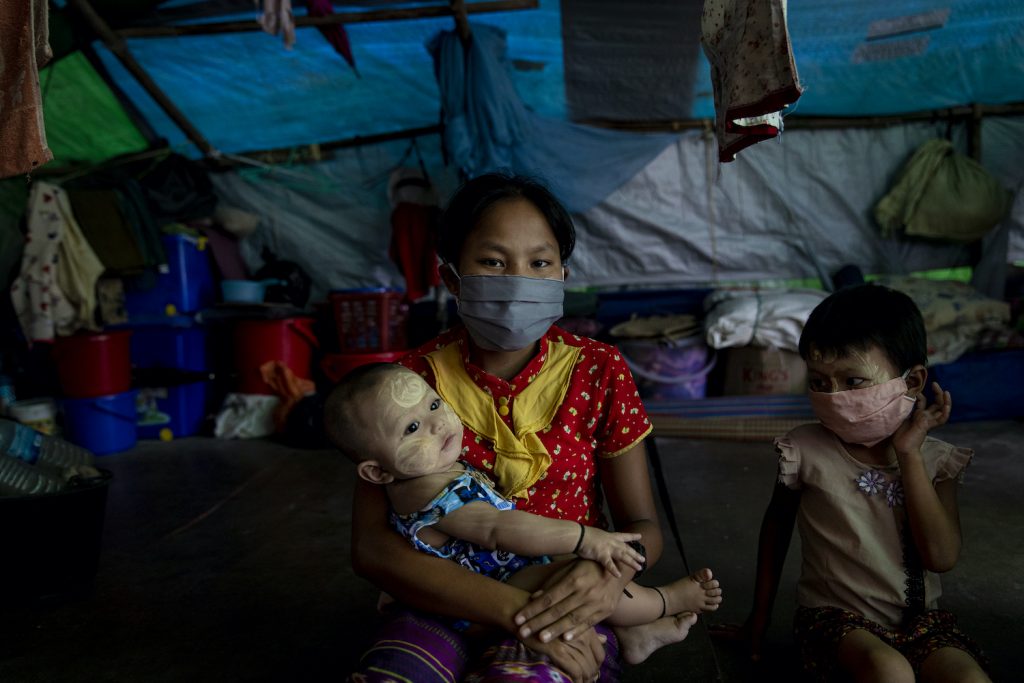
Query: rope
x=666 y=501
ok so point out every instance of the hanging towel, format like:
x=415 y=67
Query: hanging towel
x=24 y=49
x=752 y=70
x=55 y=292
x=520 y=457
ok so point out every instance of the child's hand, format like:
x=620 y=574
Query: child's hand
x=607 y=548
x=909 y=437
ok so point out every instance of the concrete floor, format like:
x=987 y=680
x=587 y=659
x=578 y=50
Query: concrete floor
x=228 y=561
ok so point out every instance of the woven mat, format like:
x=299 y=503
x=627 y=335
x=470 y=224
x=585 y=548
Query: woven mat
x=734 y=418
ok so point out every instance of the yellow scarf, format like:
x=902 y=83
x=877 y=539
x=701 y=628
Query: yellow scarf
x=519 y=458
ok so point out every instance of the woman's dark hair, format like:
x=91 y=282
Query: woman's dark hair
x=864 y=315
x=471 y=201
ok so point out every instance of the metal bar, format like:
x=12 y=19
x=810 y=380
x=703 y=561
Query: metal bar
x=338 y=18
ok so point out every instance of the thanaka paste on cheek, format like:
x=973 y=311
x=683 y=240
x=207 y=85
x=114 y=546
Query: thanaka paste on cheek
x=412 y=452
x=450 y=415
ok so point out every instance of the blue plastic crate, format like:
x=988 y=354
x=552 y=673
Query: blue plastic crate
x=172 y=412
x=185 y=286
x=172 y=347
x=984 y=385
x=615 y=307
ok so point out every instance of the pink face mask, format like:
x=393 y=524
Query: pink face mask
x=864 y=416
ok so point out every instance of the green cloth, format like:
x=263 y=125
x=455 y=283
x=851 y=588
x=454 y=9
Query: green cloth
x=85 y=124
x=943 y=195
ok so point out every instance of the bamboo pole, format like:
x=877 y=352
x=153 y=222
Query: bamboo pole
x=282 y=154
x=458 y=8
x=338 y=18
x=117 y=45
x=974 y=135
x=976 y=111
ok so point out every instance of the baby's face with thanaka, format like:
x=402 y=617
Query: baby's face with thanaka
x=856 y=369
x=413 y=432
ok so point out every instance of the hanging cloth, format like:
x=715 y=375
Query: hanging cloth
x=520 y=457
x=335 y=34
x=24 y=50
x=753 y=73
x=414 y=218
x=55 y=292
x=277 y=18
x=487 y=127
x=943 y=195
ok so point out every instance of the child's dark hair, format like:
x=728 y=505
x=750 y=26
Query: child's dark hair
x=864 y=315
x=339 y=421
x=471 y=201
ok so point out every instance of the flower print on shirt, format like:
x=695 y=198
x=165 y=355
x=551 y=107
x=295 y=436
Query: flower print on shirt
x=894 y=494
x=871 y=482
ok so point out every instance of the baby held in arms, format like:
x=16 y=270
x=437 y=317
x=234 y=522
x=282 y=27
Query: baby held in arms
x=403 y=437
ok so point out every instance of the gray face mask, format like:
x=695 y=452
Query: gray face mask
x=508 y=312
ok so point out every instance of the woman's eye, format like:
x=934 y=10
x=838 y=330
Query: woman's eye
x=855 y=381
x=412 y=427
x=436 y=404
x=541 y=263
x=491 y=262
x=816 y=384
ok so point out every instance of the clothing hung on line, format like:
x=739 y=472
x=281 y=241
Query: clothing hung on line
x=55 y=292
x=753 y=73
x=857 y=551
x=470 y=486
x=24 y=50
x=277 y=18
x=601 y=416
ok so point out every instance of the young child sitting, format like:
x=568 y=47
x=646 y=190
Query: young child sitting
x=402 y=436
x=875 y=500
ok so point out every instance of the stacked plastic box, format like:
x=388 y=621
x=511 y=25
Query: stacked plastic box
x=170 y=351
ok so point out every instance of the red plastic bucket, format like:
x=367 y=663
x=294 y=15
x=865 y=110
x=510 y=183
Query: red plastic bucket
x=337 y=365
x=94 y=364
x=289 y=340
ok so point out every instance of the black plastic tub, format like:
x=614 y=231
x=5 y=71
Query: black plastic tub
x=51 y=542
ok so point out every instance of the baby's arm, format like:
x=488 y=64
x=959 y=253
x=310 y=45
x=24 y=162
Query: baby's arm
x=931 y=508
x=524 y=533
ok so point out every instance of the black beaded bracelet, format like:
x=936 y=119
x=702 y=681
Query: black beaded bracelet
x=579 y=541
x=639 y=547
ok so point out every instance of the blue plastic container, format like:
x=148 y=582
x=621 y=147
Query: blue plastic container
x=172 y=412
x=170 y=347
x=985 y=385
x=103 y=424
x=186 y=286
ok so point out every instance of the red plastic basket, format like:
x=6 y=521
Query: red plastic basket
x=370 y=321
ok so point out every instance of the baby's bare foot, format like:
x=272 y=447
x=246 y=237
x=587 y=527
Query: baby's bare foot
x=636 y=643
x=698 y=592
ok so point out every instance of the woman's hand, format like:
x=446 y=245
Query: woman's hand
x=580 y=658
x=579 y=599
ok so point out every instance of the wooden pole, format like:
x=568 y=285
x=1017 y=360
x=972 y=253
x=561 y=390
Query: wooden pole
x=338 y=18
x=972 y=112
x=974 y=134
x=117 y=45
x=461 y=20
